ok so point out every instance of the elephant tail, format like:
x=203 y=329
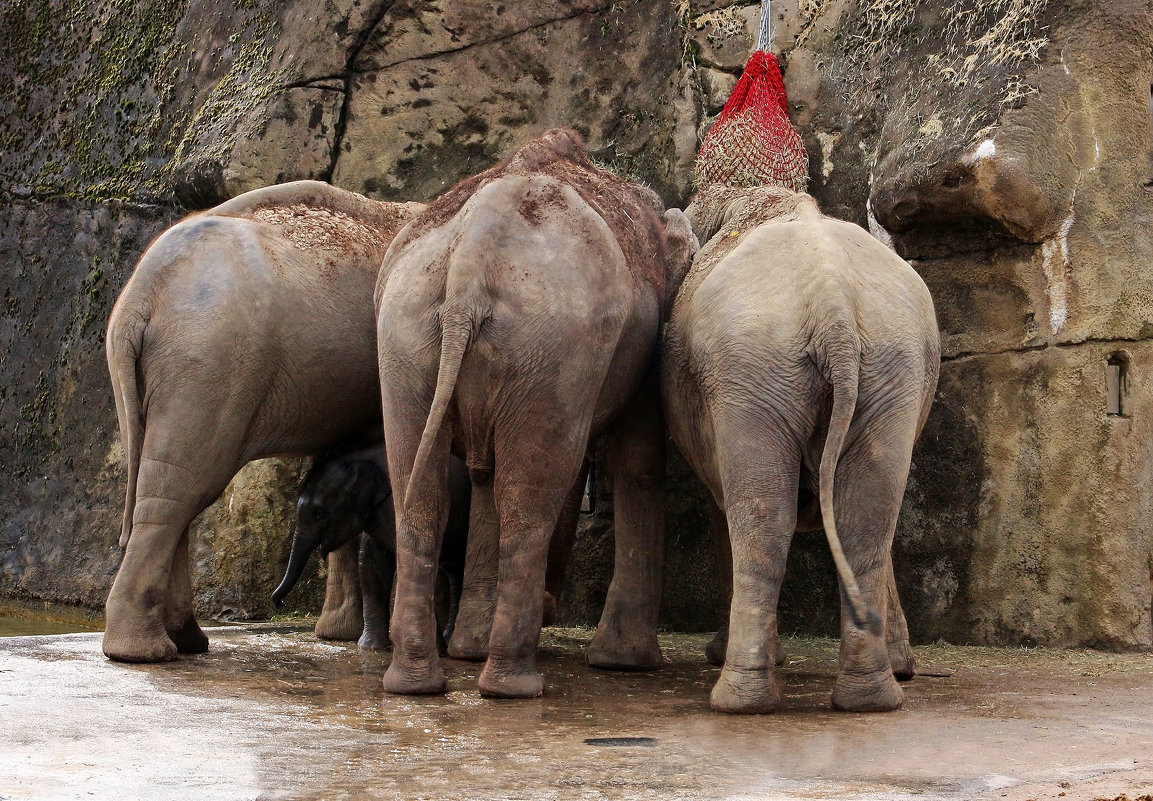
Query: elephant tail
x=457 y=326
x=842 y=357
x=123 y=344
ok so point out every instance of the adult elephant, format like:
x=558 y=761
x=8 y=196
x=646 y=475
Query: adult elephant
x=245 y=331
x=801 y=355
x=516 y=317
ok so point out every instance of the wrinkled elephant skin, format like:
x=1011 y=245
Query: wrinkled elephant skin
x=516 y=318
x=245 y=331
x=801 y=356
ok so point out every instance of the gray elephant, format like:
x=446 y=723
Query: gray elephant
x=245 y=331
x=517 y=317
x=799 y=350
x=347 y=494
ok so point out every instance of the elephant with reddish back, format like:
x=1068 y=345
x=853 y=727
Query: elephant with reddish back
x=516 y=318
x=245 y=331
x=801 y=356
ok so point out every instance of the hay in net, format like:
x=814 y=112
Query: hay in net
x=753 y=143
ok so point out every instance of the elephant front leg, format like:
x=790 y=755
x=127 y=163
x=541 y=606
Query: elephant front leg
x=719 y=531
x=377 y=569
x=561 y=545
x=341 y=617
x=477 y=605
x=179 y=617
x=510 y=671
x=716 y=647
x=626 y=637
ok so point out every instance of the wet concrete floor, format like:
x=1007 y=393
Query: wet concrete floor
x=272 y=713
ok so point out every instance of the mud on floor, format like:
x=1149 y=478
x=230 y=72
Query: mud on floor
x=272 y=713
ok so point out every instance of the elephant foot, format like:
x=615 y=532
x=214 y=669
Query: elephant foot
x=715 y=650
x=865 y=682
x=139 y=647
x=867 y=694
x=719 y=644
x=902 y=661
x=779 y=655
x=615 y=650
x=410 y=677
x=501 y=679
x=749 y=691
x=468 y=645
x=548 y=617
x=373 y=641
x=189 y=638
x=344 y=623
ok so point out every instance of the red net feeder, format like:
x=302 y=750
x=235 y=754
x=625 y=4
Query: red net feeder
x=753 y=143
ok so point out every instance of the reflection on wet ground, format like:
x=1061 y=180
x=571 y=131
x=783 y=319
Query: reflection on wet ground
x=272 y=713
x=30 y=619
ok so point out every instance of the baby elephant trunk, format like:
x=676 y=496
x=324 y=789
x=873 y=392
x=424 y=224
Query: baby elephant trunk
x=302 y=548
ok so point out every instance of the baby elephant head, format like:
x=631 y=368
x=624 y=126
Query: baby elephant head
x=338 y=500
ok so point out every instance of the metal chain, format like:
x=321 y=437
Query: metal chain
x=766 y=27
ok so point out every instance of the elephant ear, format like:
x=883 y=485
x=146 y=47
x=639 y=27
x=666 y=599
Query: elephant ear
x=363 y=485
x=680 y=246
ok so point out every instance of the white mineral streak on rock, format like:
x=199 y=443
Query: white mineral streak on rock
x=1055 y=265
x=985 y=150
x=828 y=142
x=876 y=229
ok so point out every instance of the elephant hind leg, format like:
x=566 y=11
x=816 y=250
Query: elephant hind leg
x=136 y=613
x=415 y=668
x=760 y=490
x=152 y=594
x=532 y=480
x=871 y=479
x=179 y=616
x=897 y=631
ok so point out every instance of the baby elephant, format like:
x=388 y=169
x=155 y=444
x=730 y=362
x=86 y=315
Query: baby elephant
x=347 y=494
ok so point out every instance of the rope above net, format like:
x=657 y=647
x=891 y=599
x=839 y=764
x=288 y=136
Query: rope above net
x=753 y=143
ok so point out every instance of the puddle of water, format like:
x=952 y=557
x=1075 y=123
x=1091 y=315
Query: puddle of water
x=644 y=742
x=25 y=622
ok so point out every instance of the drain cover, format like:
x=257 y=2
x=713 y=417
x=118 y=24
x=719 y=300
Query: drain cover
x=646 y=742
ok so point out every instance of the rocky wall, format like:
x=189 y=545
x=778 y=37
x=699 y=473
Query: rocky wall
x=121 y=117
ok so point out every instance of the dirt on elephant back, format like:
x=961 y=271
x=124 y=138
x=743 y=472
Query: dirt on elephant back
x=630 y=210
x=311 y=228
x=316 y=216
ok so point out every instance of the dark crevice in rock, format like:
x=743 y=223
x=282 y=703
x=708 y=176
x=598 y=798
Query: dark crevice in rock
x=332 y=83
x=495 y=40
x=712 y=65
x=974 y=354
x=346 y=81
x=366 y=34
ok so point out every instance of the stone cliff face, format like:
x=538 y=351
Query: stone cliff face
x=1002 y=146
